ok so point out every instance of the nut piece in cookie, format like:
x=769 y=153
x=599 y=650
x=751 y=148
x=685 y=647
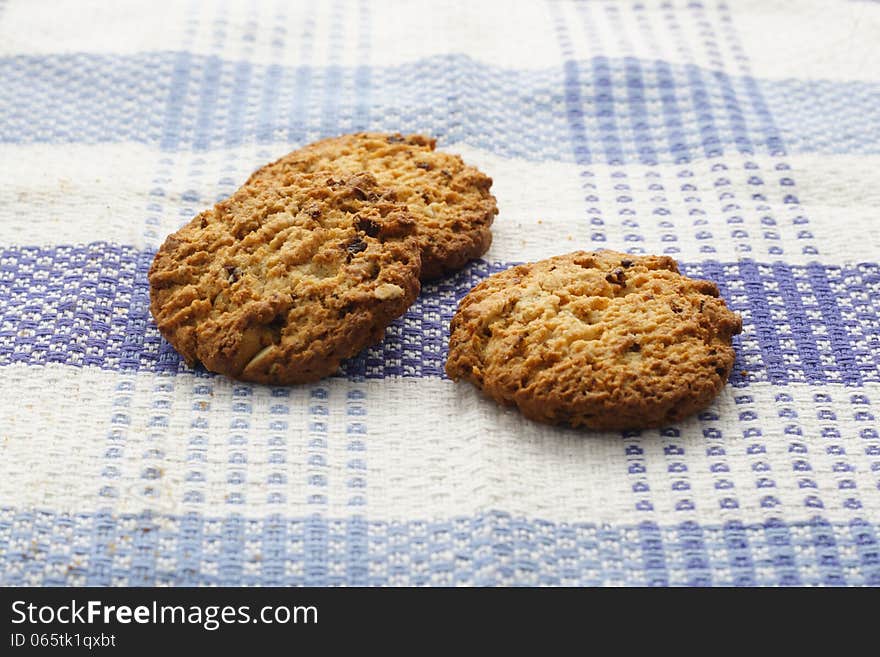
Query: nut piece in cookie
x=278 y=284
x=602 y=340
x=449 y=200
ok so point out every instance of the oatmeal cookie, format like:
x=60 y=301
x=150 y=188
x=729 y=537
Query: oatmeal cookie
x=449 y=200
x=279 y=283
x=602 y=340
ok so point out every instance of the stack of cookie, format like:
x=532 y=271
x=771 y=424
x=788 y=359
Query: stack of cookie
x=311 y=259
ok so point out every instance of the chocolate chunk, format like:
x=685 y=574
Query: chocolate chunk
x=370 y=227
x=357 y=245
x=232 y=273
x=616 y=277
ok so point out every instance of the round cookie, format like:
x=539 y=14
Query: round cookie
x=603 y=340
x=278 y=284
x=449 y=200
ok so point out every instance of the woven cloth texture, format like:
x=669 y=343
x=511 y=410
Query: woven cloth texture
x=741 y=138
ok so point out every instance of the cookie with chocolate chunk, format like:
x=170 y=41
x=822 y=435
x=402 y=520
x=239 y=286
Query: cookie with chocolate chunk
x=449 y=200
x=602 y=340
x=279 y=283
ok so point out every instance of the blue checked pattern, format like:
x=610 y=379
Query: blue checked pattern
x=89 y=306
x=487 y=550
x=600 y=110
x=651 y=127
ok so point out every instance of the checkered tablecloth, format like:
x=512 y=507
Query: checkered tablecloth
x=740 y=137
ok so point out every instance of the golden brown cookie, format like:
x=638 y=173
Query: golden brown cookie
x=278 y=284
x=604 y=340
x=449 y=200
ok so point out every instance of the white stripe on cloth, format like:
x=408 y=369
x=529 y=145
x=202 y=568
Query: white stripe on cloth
x=132 y=194
x=781 y=43
x=86 y=440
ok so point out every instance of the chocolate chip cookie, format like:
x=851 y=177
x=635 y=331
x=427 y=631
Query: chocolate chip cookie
x=449 y=200
x=279 y=283
x=602 y=340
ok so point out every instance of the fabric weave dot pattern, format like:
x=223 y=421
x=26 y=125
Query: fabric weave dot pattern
x=741 y=139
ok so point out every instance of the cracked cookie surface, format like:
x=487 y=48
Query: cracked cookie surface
x=279 y=283
x=603 y=340
x=449 y=200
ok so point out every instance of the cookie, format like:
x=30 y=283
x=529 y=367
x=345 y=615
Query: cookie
x=278 y=284
x=602 y=340
x=450 y=200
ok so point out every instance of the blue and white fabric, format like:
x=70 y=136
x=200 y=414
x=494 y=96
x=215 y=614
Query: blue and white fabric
x=741 y=138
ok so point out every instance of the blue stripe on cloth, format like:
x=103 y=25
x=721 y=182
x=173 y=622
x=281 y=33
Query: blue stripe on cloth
x=825 y=116
x=184 y=101
x=89 y=306
x=57 y=549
